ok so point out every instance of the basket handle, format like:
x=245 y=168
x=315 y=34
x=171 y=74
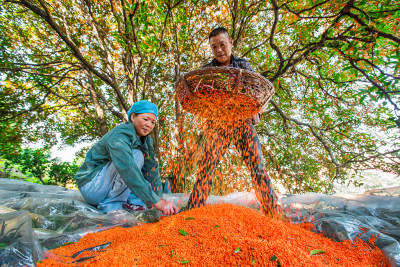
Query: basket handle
x=237 y=83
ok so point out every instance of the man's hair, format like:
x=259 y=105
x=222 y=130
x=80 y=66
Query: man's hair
x=218 y=31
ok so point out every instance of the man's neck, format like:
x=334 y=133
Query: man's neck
x=226 y=64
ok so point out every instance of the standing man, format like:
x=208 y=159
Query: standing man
x=242 y=133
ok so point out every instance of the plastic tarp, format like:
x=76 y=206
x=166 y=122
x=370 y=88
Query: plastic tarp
x=36 y=218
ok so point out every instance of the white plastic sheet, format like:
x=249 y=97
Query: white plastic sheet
x=41 y=218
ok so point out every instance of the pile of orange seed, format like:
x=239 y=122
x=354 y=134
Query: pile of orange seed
x=222 y=105
x=219 y=235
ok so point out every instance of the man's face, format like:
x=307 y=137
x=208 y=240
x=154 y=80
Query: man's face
x=221 y=46
x=143 y=123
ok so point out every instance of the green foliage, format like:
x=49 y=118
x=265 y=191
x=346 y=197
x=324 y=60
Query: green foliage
x=316 y=251
x=182 y=232
x=39 y=167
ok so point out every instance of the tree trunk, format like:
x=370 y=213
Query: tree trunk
x=99 y=109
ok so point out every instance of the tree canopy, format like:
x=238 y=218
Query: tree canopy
x=73 y=68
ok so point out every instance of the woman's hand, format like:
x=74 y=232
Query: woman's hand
x=166 y=207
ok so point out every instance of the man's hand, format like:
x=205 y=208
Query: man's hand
x=167 y=207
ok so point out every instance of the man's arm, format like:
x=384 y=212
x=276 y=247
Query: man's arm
x=244 y=64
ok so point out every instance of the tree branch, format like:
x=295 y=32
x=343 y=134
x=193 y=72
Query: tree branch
x=45 y=14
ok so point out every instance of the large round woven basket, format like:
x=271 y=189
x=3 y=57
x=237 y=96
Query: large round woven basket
x=224 y=93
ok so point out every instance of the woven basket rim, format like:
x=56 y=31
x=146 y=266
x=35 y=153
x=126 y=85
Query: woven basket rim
x=231 y=70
